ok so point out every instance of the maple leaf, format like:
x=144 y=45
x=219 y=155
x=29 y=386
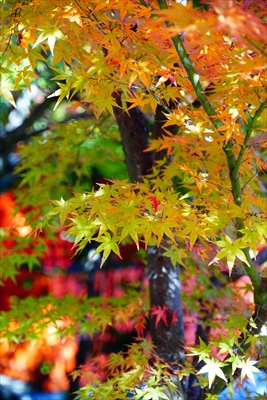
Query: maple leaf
x=231 y=250
x=176 y=255
x=195 y=129
x=165 y=75
x=203 y=351
x=226 y=346
x=63 y=92
x=174 y=317
x=235 y=20
x=105 y=103
x=139 y=101
x=5 y=91
x=121 y=317
x=212 y=368
x=154 y=202
x=247 y=369
x=75 y=374
x=173 y=15
x=140 y=324
x=51 y=34
x=108 y=244
x=142 y=72
x=61 y=209
x=149 y=393
x=160 y=313
x=132 y=229
x=176 y=118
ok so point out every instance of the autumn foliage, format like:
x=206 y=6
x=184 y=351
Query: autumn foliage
x=183 y=87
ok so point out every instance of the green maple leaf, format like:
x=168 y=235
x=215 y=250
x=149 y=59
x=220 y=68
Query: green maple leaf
x=105 y=103
x=149 y=393
x=131 y=229
x=61 y=209
x=203 y=351
x=176 y=255
x=226 y=346
x=108 y=244
x=63 y=92
x=83 y=231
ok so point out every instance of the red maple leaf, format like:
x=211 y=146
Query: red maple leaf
x=154 y=202
x=140 y=324
x=174 y=317
x=160 y=313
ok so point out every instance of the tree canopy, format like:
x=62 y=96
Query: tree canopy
x=183 y=89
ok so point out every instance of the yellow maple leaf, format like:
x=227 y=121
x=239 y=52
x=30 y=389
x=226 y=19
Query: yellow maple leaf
x=5 y=91
x=51 y=34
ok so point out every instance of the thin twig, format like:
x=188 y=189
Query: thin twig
x=253 y=176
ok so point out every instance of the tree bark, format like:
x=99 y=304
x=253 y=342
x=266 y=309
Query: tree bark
x=165 y=290
x=134 y=135
x=164 y=280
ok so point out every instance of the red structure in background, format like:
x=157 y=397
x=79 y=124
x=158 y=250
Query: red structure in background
x=46 y=363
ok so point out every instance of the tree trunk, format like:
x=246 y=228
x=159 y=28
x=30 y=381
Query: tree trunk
x=164 y=280
x=134 y=136
x=165 y=290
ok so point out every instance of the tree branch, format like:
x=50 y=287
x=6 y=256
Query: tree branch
x=249 y=130
x=227 y=148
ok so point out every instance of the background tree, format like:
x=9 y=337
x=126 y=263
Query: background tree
x=195 y=198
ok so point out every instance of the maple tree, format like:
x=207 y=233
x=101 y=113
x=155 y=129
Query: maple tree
x=186 y=86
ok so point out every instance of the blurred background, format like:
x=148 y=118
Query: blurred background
x=78 y=151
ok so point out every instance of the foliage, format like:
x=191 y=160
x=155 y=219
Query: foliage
x=202 y=200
